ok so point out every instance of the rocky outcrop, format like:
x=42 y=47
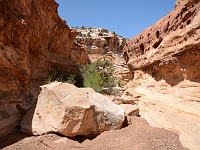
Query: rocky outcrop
x=72 y=111
x=121 y=71
x=99 y=40
x=34 y=41
x=165 y=60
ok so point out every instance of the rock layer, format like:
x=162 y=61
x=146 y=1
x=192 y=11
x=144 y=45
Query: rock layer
x=99 y=40
x=34 y=41
x=165 y=60
x=72 y=111
x=176 y=33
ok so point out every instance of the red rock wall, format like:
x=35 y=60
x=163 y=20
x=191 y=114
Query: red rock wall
x=170 y=49
x=34 y=41
x=77 y=52
x=165 y=61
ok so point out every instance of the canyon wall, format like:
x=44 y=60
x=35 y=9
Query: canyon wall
x=34 y=41
x=165 y=60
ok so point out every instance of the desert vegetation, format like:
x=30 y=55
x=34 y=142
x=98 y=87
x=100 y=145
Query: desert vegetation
x=98 y=75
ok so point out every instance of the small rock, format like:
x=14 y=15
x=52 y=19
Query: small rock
x=130 y=110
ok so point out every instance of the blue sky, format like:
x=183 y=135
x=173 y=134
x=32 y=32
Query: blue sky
x=126 y=17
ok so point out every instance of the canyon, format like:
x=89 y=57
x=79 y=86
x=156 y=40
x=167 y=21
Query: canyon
x=159 y=68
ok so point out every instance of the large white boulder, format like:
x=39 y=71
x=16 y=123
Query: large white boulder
x=71 y=111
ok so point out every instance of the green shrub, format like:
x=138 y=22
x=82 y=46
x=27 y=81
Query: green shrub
x=119 y=83
x=94 y=81
x=98 y=75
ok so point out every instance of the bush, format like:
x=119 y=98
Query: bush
x=98 y=75
x=94 y=81
x=61 y=76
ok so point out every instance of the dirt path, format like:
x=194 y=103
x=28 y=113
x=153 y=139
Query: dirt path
x=139 y=136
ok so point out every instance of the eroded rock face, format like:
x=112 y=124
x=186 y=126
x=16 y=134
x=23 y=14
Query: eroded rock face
x=78 y=55
x=70 y=111
x=173 y=35
x=33 y=42
x=99 y=40
x=165 y=60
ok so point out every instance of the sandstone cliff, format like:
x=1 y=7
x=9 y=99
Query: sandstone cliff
x=165 y=60
x=33 y=42
x=99 y=40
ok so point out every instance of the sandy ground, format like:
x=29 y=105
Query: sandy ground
x=138 y=136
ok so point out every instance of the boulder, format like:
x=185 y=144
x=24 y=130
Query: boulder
x=70 y=111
